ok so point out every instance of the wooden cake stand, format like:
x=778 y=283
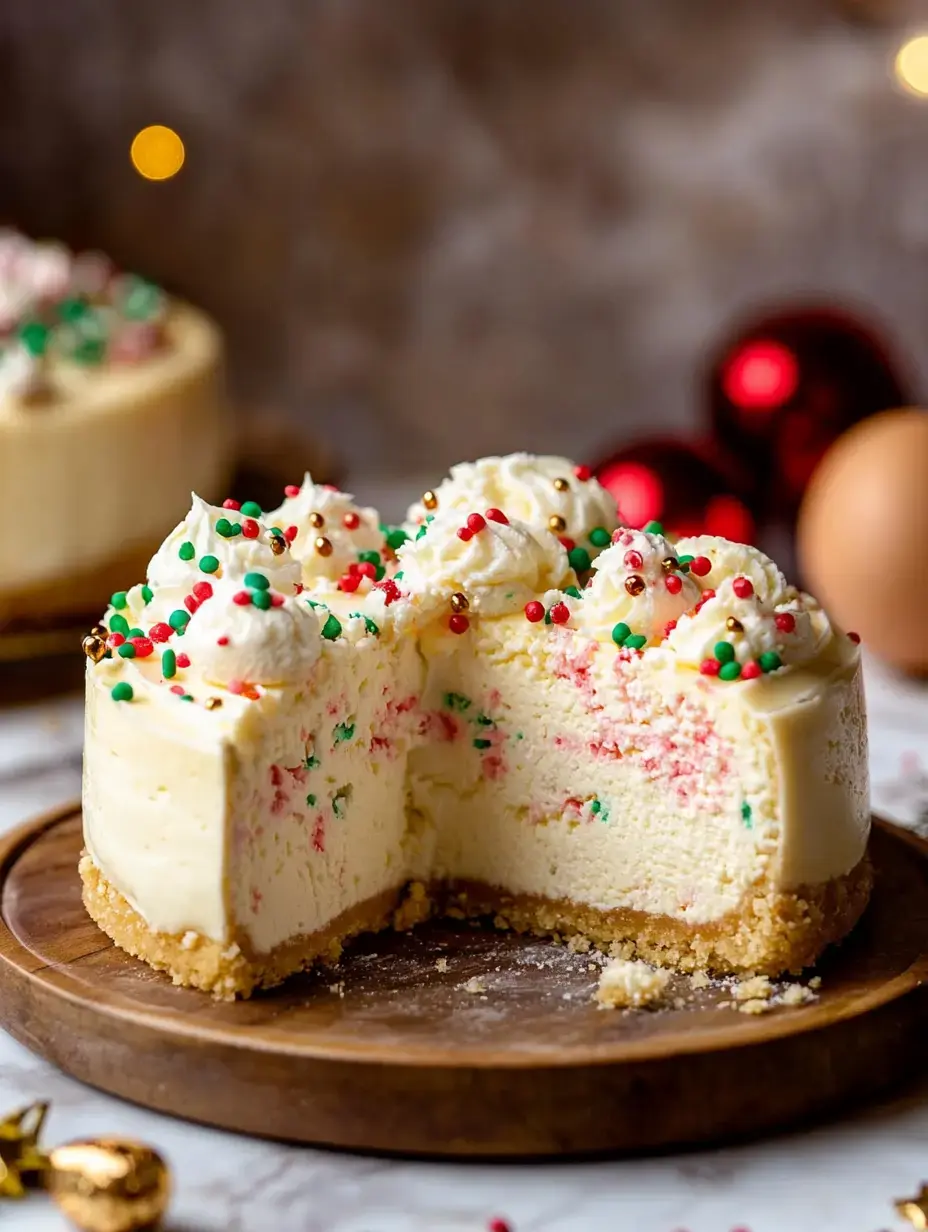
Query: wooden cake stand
x=392 y=1052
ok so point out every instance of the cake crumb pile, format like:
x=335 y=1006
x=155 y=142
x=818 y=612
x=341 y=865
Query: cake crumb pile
x=633 y=985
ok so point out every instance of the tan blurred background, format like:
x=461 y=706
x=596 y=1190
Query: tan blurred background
x=435 y=230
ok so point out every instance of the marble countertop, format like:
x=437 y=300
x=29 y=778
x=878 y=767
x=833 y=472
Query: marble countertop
x=840 y=1177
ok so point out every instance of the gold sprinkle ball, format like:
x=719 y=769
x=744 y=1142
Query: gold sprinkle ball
x=109 y=1184
x=459 y=602
x=278 y=545
x=99 y=631
x=323 y=546
x=94 y=647
x=213 y=703
x=734 y=625
x=634 y=584
x=429 y=499
x=317 y=521
x=668 y=564
x=561 y=485
x=557 y=524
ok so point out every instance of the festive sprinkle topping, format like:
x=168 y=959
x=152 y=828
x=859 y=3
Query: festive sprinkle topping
x=430 y=500
x=168 y=664
x=573 y=592
x=115 y=639
x=459 y=602
x=557 y=524
x=278 y=545
x=785 y=622
x=332 y=628
x=202 y=590
x=855 y=638
x=458 y=623
x=562 y=485
x=228 y=503
x=364 y=569
x=674 y=583
x=464 y=534
x=257 y=581
x=634 y=584
x=292 y=489
x=560 y=614
x=396 y=538
x=183 y=660
x=34 y=337
x=730 y=670
x=583 y=473
x=654 y=528
x=476 y=522
x=751 y=671
x=391 y=592
x=213 y=703
x=351 y=520
x=599 y=537
x=126 y=651
x=143 y=646
x=620 y=633
x=251 y=509
x=481 y=742
x=497 y=515
x=323 y=546
x=633 y=559
x=147 y=594
x=262 y=599
x=227 y=529
x=636 y=641
x=179 y=619
x=250 y=528
x=669 y=627
x=242 y=598
x=724 y=651
x=743 y=587
x=94 y=647
x=370 y=558
x=734 y=625
x=186 y=551
x=118 y=600
x=349 y=582
x=291 y=533
x=710 y=667
x=122 y=692
x=191 y=603
x=119 y=624
x=769 y=661
x=316 y=521
x=579 y=559
x=534 y=611
x=209 y=564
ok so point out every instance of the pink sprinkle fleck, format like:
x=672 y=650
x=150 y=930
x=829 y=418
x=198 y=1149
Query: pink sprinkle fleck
x=191 y=603
x=277 y=600
x=242 y=598
x=114 y=640
x=710 y=667
x=751 y=671
x=231 y=504
x=178 y=689
x=236 y=686
x=183 y=660
x=291 y=490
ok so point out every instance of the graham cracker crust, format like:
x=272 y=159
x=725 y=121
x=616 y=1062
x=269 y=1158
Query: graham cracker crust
x=773 y=933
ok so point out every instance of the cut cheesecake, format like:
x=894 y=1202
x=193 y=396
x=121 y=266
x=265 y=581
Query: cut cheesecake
x=306 y=725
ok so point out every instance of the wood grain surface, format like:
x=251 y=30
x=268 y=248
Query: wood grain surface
x=391 y=1052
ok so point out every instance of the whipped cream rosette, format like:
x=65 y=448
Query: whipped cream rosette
x=334 y=535
x=720 y=558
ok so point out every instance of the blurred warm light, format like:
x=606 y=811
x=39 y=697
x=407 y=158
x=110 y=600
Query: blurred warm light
x=760 y=376
x=729 y=517
x=912 y=64
x=638 y=491
x=157 y=152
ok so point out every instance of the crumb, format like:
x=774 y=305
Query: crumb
x=626 y=984
x=815 y=983
x=501 y=923
x=699 y=979
x=338 y=989
x=755 y=1006
x=578 y=944
x=441 y=964
x=475 y=984
x=622 y=949
x=592 y=967
x=567 y=996
x=724 y=1005
x=796 y=994
x=757 y=988
x=679 y=1003
x=189 y=940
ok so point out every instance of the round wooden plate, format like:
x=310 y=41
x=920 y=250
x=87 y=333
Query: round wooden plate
x=392 y=1052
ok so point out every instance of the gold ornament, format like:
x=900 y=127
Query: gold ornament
x=459 y=602
x=94 y=647
x=99 y=631
x=634 y=584
x=669 y=564
x=213 y=703
x=21 y=1161
x=317 y=521
x=734 y=625
x=557 y=524
x=561 y=485
x=915 y=1210
x=109 y=1184
x=278 y=545
x=429 y=499
x=323 y=546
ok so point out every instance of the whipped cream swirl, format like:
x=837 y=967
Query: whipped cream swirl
x=728 y=559
x=637 y=581
x=323 y=513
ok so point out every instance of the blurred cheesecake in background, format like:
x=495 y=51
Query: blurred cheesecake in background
x=112 y=410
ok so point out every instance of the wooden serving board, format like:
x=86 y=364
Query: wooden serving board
x=390 y=1052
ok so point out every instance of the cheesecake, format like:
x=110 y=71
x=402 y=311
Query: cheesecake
x=305 y=724
x=111 y=411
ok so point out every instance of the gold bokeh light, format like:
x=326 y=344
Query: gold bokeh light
x=157 y=152
x=912 y=65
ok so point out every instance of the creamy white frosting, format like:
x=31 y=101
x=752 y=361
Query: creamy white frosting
x=333 y=506
x=524 y=486
x=630 y=585
x=730 y=559
x=498 y=568
x=20 y=371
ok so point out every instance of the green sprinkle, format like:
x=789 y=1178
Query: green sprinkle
x=72 y=309
x=312 y=762
x=519 y=736
x=398 y=576
x=89 y=351
x=620 y=632
x=119 y=600
x=370 y=626
x=332 y=628
x=396 y=538
x=456 y=701
x=548 y=617
x=122 y=692
x=136 y=633
x=228 y=529
x=730 y=670
x=769 y=661
x=746 y=815
x=34 y=337
x=315 y=603
x=179 y=619
x=380 y=573
x=579 y=559
x=685 y=560
x=599 y=537
x=343 y=731
x=168 y=664
x=256 y=581
x=573 y=592
x=485 y=721
x=340 y=799
x=369 y=558
x=481 y=743
x=261 y=599
x=142 y=301
x=311 y=800
x=251 y=509
x=119 y=624
x=595 y=807
x=186 y=551
x=654 y=528
x=147 y=594
x=209 y=564
x=186 y=697
x=126 y=651
x=421 y=531
x=277 y=532
x=724 y=652
x=636 y=641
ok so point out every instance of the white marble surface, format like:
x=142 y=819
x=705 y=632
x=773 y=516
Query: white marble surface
x=838 y=1178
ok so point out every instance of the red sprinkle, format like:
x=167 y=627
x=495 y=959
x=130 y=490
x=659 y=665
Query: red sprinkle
x=534 y=611
x=669 y=627
x=203 y=590
x=476 y=522
x=700 y=565
x=500 y=1225
x=785 y=622
x=391 y=592
x=751 y=671
x=291 y=489
x=351 y=521
x=583 y=473
x=222 y=641
x=183 y=660
x=368 y=570
x=178 y=689
x=855 y=638
x=743 y=587
x=633 y=560
x=567 y=544
x=674 y=583
x=191 y=603
x=250 y=528
x=465 y=535
x=143 y=646
x=710 y=667
x=291 y=533
x=231 y=504
x=349 y=582
x=242 y=598
x=458 y=623
x=236 y=686
x=277 y=600
x=114 y=640
x=560 y=614
x=160 y=632
x=497 y=515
